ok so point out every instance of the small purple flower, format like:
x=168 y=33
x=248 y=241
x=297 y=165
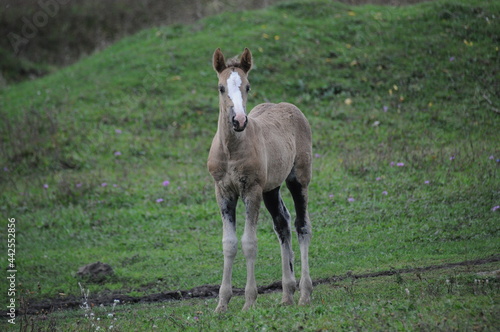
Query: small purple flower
x=378 y=178
x=118 y=153
x=452 y=158
x=46 y=186
x=166 y=183
x=5 y=169
x=452 y=59
x=427 y=182
x=331 y=196
x=78 y=185
x=317 y=155
x=384 y=192
x=118 y=131
x=159 y=200
x=495 y=208
x=490 y=158
x=104 y=184
x=385 y=108
x=350 y=199
x=115 y=186
x=392 y=163
x=400 y=164
x=498 y=160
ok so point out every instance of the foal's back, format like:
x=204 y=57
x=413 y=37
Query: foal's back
x=287 y=138
x=285 y=117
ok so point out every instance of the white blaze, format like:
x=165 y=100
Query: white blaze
x=234 y=92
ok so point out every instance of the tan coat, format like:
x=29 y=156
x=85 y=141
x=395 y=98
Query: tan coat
x=250 y=158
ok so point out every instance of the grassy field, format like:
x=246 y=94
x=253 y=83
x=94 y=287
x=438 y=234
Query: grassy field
x=105 y=161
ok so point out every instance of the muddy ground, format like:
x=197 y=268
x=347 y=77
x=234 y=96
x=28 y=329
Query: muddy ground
x=211 y=291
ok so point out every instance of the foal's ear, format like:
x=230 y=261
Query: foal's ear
x=246 y=60
x=219 y=62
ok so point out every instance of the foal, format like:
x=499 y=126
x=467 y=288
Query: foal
x=250 y=157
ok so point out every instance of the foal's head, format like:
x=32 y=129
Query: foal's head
x=234 y=86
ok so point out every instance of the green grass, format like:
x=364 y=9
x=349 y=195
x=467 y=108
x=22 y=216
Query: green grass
x=416 y=85
x=458 y=299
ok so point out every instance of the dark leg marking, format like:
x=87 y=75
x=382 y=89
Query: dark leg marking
x=228 y=209
x=279 y=213
x=300 y=201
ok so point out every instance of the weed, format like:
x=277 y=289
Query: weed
x=96 y=320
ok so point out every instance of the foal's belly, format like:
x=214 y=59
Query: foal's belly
x=261 y=176
x=276 y=175
x=280 y=157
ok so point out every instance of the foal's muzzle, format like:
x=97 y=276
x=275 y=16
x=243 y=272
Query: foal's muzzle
x=240 y=122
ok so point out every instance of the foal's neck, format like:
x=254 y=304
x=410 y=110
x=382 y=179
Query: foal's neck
x=231 y=141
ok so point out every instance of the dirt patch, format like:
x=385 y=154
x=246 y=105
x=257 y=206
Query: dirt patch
x=211 y=291
x=95 y=272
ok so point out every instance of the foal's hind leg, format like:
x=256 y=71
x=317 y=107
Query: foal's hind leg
x=298 y=188
x=281 y=219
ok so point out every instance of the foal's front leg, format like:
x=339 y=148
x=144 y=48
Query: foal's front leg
x=252 y=201
x=227 y=204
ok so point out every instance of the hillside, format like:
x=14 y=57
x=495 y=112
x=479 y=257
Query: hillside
x=39 y=37
x=105 y=160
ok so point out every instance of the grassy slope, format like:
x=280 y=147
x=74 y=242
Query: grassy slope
x=152 y=97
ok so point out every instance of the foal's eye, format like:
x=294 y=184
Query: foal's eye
x=222 y=89
x=248 y=88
